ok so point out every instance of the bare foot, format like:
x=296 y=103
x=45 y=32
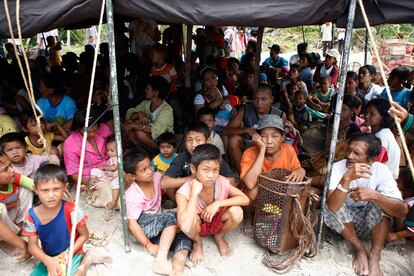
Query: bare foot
x=375 y=267
x=109 y=214
x=197 y=253
x=162 y=267
x=360 y=262
x=247 y=231
x=96 y=256
x=222 y=245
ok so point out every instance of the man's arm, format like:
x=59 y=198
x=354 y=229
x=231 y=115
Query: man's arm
x=234 y=127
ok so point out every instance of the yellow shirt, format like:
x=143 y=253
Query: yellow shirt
x=160 y=164
x=39 y=151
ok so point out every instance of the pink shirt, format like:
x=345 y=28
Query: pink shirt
x=137 y=202
x=93 y=159
x=33 y=162
x=221 y=192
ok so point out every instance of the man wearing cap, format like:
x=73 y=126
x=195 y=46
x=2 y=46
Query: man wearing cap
x=328 y=68
x=275 y=62
x=362 y=197
x=268 y=153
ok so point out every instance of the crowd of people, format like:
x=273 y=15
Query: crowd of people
x=197 y=153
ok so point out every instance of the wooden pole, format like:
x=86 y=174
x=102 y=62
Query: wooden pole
x=338 y=108
x=258 y=54
x=188 y=46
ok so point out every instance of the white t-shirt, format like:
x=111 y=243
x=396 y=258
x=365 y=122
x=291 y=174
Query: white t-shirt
x=216 y=140
x=393 y=150
x=325 y=72
x=381 y=181
x=326 y=32
x=374 y=91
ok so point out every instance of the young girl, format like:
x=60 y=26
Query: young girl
x=153 y=116
x=29 y=126
x=380 y=121
x=161 y=68
x=208 y=204
x=399 y=93
x=406 y=186
x=366 y=86
x=323 y=95
x=214 y=98
x=233 y=75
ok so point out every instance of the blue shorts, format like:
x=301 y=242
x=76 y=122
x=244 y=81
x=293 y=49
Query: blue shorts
x=41 y=269
x=154 y=224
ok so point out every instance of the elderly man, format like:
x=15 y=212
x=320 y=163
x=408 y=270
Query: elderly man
x=362 y=197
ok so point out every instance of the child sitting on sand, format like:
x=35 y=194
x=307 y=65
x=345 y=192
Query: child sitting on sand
x=16 y=198
x=51 y=223
x=208 y=204
x=323 y=95
x=108 y=173
x=14 y=147
x=154 y=230
x=406 y=186
x=166 y=145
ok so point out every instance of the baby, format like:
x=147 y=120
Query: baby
x=108 y=174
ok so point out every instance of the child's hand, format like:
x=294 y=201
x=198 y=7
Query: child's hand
x=209 y=212
x=24 y=254
x=391 y=236
x=196 y=186
x=153 y=248
x=110 y=205
x=53 y=267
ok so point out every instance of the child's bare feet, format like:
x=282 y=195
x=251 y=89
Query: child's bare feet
x=93 y=256
x=197 y=253
x=222 y=245
x=374 y=266
x=110 y=205
x=162 y=267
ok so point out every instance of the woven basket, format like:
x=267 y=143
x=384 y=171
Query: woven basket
x=273 y=209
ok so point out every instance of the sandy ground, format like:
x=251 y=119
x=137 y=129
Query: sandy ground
x=246 y=259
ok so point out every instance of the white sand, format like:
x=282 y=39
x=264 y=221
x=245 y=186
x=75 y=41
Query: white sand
x=246 y=258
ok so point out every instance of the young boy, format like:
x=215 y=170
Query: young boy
x=324 y=94
x=16 y=198
x=156 y=231
x=208 y=116
x=179 y=172
x=302 y=113
x=51 y=223
x=208 y=204
x=161 y=67
x=166 y=144
x=15 y=148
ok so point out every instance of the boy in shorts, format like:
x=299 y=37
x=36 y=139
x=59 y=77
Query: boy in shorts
x=208 y=204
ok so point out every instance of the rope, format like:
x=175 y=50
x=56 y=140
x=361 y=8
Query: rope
x=387 y=88
x=27 y=81
x=302 y=228
x=85 y=134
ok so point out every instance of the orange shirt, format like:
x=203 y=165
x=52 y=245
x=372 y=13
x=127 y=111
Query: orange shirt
x=287 y=160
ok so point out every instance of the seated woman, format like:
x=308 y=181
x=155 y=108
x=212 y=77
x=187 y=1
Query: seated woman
x=153 y=116
x=57 y=107
x=214 y=96
x=96 y=151
x=268 y=153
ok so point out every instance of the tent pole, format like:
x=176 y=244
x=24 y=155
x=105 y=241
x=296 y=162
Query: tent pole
x=338 y=108
x=366 y=47
x=117 y=122
x=303 y=33
x=258 y=53
x=188 y=45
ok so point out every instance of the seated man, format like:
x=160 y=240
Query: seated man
x=362 y=197
x=268 y=153
x=243 y=125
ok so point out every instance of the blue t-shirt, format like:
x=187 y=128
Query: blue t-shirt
x=402 y=97
x=60 y=113
x=278 y=63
